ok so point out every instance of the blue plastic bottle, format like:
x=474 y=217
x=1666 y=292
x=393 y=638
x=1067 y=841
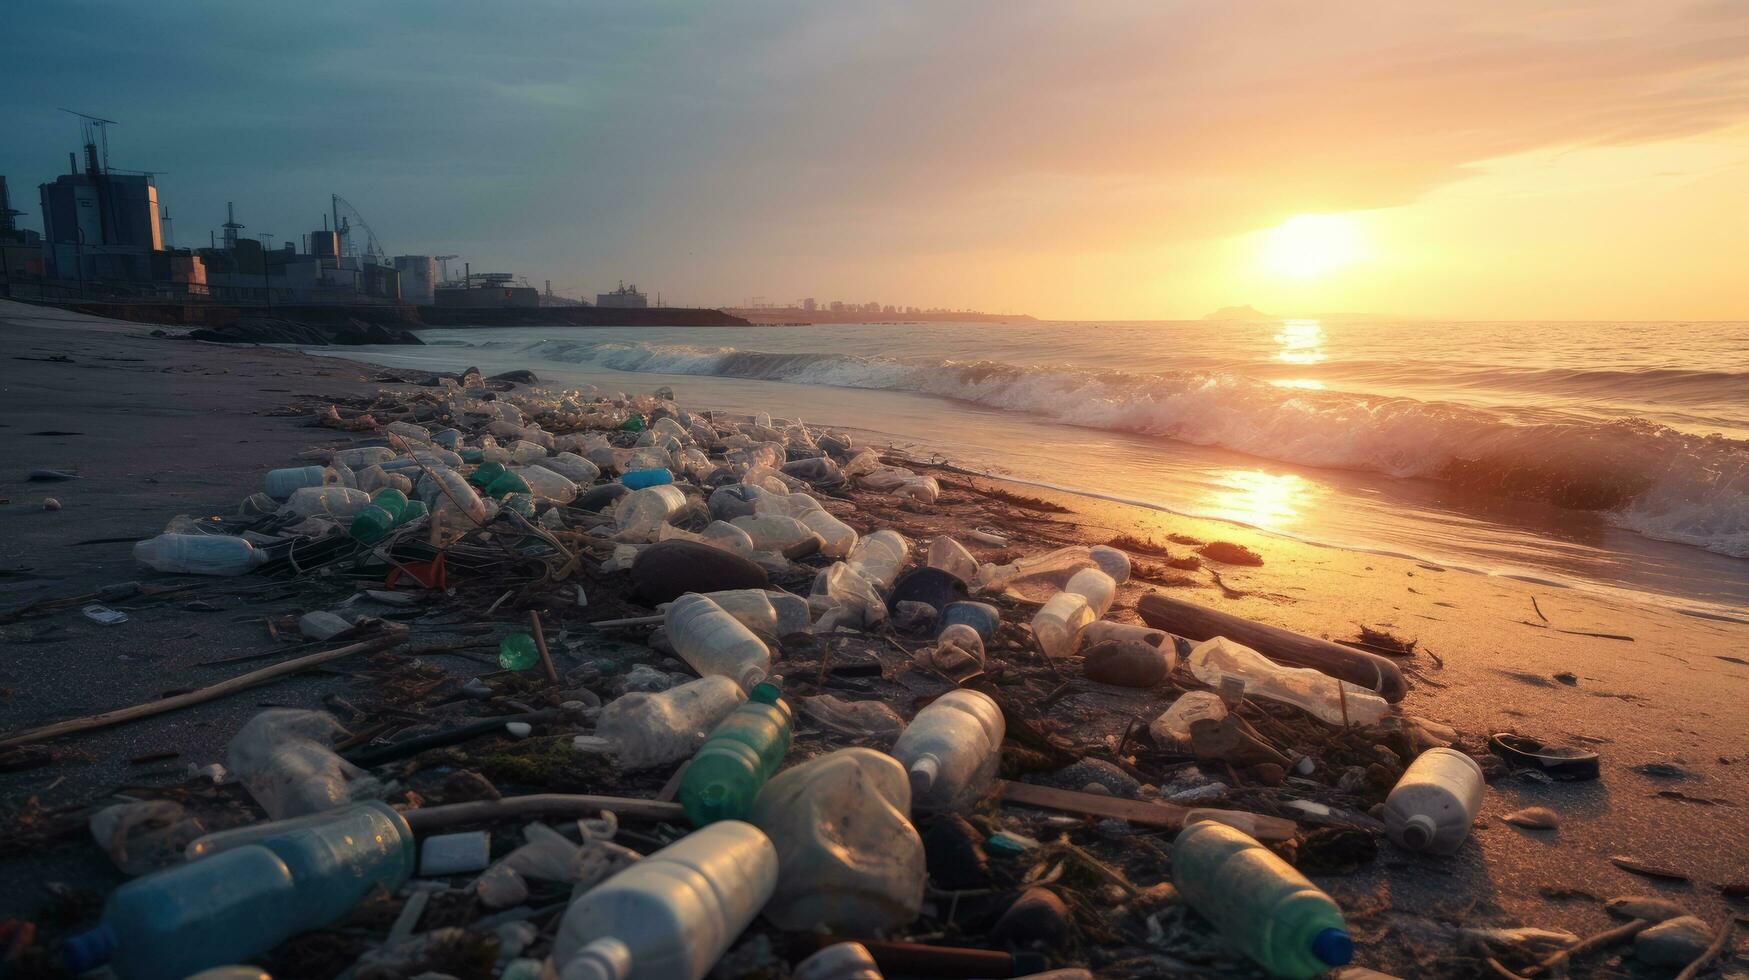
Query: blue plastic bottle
x=244 y=901
x=639 y=479
x=980 y=616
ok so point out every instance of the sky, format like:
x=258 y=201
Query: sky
x=1094 y=159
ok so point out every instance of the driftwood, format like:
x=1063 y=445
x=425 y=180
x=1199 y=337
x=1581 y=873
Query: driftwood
x=1169 y=815
x=209 y=693
x=1195 y=622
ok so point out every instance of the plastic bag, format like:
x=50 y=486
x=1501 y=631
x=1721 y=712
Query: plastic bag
x=282 y=758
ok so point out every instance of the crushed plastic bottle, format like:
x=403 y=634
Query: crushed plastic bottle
x=958 y=652
x=741 y=753
x=1432 y=807
x=672 y=915
x=1038 y=576
x=199 y=554
x=851 y=860
x=548 y=485
x=857 y=719
x=1172 y=729
x=713 y=642
x=337 y=503
x=880 y=557
x=573 y=467
x=643 y=730
x=952 y=750
x=144 y=836
x=282 y=758
x=952 y=557
x=1261 y=905
x=773 y=532
x=1058 y=624
x=641 y=512
x=839 y=961
x=1324 y=697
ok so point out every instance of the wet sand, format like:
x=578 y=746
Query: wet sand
x=166 y=427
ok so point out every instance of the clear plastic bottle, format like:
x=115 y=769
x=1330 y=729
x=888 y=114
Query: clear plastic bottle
x=282 y=757
x=952 y=750
x=1099 y=589
x=246 y=899
x=336 y=503
x=574 y=468
x=786 y=504
x=880 y=557
x=1058 y=624
x=547 y=485
x=1172 y=728
x=1432 y=807
x=672 y=915
x=283 y=483
x=839 y=961
x=415 y=434
x=1038 y=576
x=952 y=557
x=741 y=753
x=362 y=457
x=451 y=494
x=773 y=532
x=851 y=860
x=644 y=730
x=1261 y=905
x=641 y=512
x=522 y=452
x=837 y=537
x=1109 y=632
x=199 y=554
x=752 y=607
x=713 y=642
x=1326 y=698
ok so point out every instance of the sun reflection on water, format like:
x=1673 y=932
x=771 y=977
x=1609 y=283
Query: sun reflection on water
x=1302 y=342
x=1267 y=500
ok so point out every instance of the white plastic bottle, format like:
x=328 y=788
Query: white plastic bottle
x=837 y=537
x=952 y=749
x=1328 y=699
x=641 y=512
x=839 y=961
x=713 y=642
x=751 y=608
x=952 y=557
x=643 y=730
x=672 y=915
x=283 y=483
x=1432 y=807
x=199 y=554
x=1099 y=589
x=880 y=557
x=1058 y=624
x=850 y=859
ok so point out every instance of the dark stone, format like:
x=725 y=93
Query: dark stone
x=516 y=377
x=1097 y=771
x=595 y=498
x=1126 y=664
x=1037 y=919
x=667 y=570
x=1336 y=850
x=1267 y=773
x=930 y=586
x=955 y=854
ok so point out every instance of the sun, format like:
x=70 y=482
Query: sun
x=1311 y=246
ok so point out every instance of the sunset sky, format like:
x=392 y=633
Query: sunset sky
x=1489 y=160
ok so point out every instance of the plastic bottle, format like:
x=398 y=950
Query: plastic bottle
x=507 y=483
x=786 y=504
x=523 y=452
x=282 y=757
x=672 y=915
x=450 y=494
x=284 y=482
x=199 y=554
x=735 y=500
x=522 y=503
x=337 y=503
x=641 y=512
x=713 y=642
x=752 y=607
x=1103 y=631
x=652 y=477
x=247 y=899
x=952 y=557
x=1432 y=807
x=1058 y=624
x=1261 y=905
x=850 y=859
x=374 y=522
x=739 y=756
x=773 y=532
x=574 y=468
x=880 y=557
x=1216 y=660
x=980 y=616
x=952 y=749
x=837 y=538
x=485 y=473
x=1038 y=576
x=644 y=730
x=1098 y=588
x=839 y=961
x=362 y=457
x=518 y=652
x=1172 y=728
x=547 y=485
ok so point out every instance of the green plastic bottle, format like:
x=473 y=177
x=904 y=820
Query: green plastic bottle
x=470 y=455
x=1262 y=906
x=739 y=756
x=506 y=484
x=485 y=473
x=633 y=424
x=379 y=517
x=415 y=510
x=518 y=652
x=522 y=503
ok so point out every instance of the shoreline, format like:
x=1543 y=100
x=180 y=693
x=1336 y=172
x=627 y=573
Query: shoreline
x=166 y=427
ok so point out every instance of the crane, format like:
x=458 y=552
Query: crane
x=345 y=216
x=443 y=265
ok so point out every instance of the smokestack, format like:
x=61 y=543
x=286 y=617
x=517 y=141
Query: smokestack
x=72 y=163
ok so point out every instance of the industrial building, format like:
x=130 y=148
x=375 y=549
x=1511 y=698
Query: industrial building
x=418 y=278
x=624 y=298
x=487 y=291
x=99 y=223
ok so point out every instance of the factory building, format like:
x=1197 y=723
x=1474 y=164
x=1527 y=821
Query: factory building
x=487 y=291
x=418 y=278
x=624 y=298
x=99 y=224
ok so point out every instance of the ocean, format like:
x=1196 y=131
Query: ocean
x=1612 y=457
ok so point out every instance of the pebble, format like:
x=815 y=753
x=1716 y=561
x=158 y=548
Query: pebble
x=1533 y=817
x=1118 y=782
x=1125 y=664
x=1673 y=942
x=50 y=503
x=1038 y=918
x=1200 y=794
x=1663 y=770
x=518 y=729
x=1644 y=907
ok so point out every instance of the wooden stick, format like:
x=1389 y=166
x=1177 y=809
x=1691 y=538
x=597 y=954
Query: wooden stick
x=209 y=693
x=435 y=819
x=1168 y=815
x=1692 y=970
x=632 y=621
x=1608 y=937
x=540 y=643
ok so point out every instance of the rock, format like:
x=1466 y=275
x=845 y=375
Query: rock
x=1352 y=780
x=667 y=570
x=466 y=786
x=1568 y=678
x=1644 y=907
x=1533 y=817
x=954 y=853
x=1099 y=771
x=1673 y=942
x=516 y=377
x=50 y=503
x=1662 y=770
x=1038 y=918
x=1268 y=773
x=1125 y=664
x=322 y=625
x=1229 y=553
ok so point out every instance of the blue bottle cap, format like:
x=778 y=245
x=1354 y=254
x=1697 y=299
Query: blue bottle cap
x=88 y=950
x=1333 y=946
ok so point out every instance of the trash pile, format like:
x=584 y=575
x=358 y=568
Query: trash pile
x=737 y=717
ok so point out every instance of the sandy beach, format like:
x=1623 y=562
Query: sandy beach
x=156 y=427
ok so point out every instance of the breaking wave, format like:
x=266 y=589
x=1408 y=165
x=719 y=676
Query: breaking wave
x=1646 y=477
